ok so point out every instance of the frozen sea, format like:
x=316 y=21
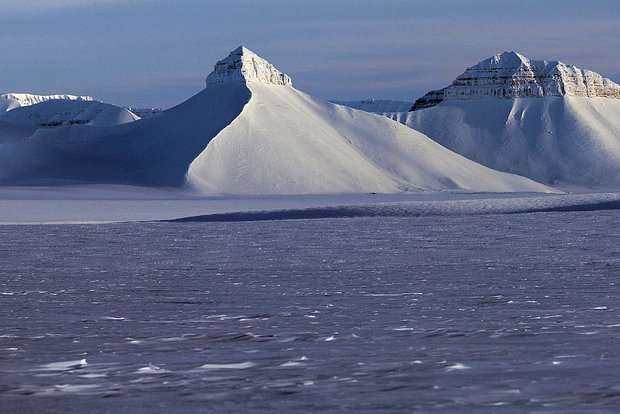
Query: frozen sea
x=480 y=314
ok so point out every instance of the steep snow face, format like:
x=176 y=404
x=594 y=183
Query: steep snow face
x=9 y=101
x=287 y=142
x=57 y=112
x=243 y=65
x=561 y=141
x=512 y=75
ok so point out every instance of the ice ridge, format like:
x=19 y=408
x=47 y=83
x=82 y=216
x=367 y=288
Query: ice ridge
x=512 y=75
x=243 y=65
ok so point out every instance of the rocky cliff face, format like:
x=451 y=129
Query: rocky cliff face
x=243 y=65
x=512 y=75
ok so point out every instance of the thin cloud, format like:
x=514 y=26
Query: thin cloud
x=41 y=6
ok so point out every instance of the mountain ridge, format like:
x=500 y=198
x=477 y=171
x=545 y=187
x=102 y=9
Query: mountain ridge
x=249 y=132
x=511 y=75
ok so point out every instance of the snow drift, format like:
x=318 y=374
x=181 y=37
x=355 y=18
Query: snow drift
x=551 y=122
x=249 y=132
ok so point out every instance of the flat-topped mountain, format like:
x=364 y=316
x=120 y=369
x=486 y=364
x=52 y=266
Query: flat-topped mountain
x=545 y=120
x=512 y=75
x=11 y=100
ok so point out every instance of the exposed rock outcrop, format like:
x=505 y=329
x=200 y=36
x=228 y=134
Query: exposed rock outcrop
x=512 y=75
x=243 y=65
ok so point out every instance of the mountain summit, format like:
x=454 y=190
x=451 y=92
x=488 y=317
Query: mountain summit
x=512 y=75
x=243 y=65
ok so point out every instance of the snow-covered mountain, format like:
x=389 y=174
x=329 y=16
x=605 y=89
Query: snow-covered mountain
x=9 y=101
x=551 y=122
x=250 y=132
x=243 y=65
x=512 y=75
x=285 y=141
x=377 y=106
x=56 y=112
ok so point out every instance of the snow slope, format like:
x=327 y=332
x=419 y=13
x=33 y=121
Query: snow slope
x=248 y=132
x=286 y=141
x=150 y=152
x=559 y=139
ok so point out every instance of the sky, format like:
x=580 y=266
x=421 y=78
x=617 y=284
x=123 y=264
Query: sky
x=157 y=53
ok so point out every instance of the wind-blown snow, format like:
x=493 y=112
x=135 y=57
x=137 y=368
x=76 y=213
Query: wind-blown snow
x=512 y=75
x=10 y=101
x=527 y=204
x=287 y=142
x=243 y=65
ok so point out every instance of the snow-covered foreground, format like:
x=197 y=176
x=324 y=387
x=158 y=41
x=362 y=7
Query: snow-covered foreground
x=479 y=314
x=100 y=204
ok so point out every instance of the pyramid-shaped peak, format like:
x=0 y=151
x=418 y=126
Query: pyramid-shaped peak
x=243 y=65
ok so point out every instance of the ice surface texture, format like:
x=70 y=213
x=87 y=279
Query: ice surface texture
x=483 y=314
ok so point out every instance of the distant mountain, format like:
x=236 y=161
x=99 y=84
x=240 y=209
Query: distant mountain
x=10 y=101
x=57 y=112
x=511 y=75
x=250 y=132
x=377 y=106
x=144 y=112
x=545 y=120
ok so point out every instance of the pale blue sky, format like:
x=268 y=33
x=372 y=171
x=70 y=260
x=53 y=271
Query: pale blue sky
x=158 y=52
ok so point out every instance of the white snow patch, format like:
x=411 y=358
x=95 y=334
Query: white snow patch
x=64 y=365
x=240 y=365
x=457 y=367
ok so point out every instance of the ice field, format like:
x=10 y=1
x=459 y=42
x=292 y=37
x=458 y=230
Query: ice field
x=440 y=313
